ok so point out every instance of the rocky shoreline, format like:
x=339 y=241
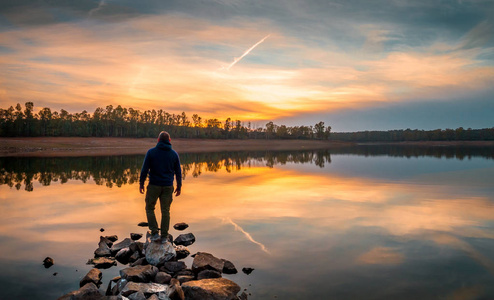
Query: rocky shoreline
x=155 y=271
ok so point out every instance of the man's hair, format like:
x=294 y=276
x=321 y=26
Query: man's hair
x=164 y=137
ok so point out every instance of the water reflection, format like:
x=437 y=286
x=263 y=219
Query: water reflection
x=310 y=232
x=111 y=171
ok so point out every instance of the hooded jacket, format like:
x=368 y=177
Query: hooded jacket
x=161 y=163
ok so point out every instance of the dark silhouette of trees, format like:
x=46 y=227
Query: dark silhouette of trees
x=129 y=122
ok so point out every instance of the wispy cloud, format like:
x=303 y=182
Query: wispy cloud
x=247 y=235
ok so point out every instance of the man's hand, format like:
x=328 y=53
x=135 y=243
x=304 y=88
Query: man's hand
x=141 y=189
x=177 y=192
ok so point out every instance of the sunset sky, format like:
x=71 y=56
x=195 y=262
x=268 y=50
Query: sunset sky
x=354 y=64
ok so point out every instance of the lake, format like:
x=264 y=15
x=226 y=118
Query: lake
x=365 y=222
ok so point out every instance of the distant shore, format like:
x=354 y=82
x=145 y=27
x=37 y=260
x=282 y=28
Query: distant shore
x=90 y=146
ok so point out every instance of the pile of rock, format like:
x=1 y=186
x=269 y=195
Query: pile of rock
x=155 y=271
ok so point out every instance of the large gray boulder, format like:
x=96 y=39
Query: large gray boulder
x=94 y=276
x=211 y=289
x=185 y=239
x=88 y=291
x=158 y=253
x=139 y=273
x=119 y=246
x=205 y=261
x=146 y=288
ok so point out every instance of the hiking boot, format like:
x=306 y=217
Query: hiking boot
x=155 y=237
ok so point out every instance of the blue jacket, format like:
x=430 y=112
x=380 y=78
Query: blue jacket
x=161 y=163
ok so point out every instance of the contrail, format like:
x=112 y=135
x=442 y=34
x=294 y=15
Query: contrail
x=237 y=59
x=249 y=237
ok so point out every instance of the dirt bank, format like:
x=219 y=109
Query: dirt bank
x=80 y=146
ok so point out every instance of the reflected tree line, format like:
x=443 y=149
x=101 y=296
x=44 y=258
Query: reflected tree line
x=111 y=171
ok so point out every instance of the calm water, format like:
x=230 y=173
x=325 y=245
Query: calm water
x=355 y=223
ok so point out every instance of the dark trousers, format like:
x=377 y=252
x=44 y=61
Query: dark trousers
x=165 y=194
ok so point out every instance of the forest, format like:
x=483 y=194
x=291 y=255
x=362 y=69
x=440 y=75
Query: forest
x=118 y=121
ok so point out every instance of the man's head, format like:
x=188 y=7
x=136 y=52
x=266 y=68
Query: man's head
x=164 y=137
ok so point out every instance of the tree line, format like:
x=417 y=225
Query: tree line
x=128 y=122
x=458 y=134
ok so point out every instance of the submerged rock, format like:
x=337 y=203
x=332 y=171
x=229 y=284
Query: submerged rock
x=139 y=273
x=247 y=270
x=181 y=226
x=206 y=261
x=185 y=239
x=102 y=262
x=48 y=262
x=158 y=253
x=229 y=267
x=135 y=236
x=217 y=289
x=94 y=276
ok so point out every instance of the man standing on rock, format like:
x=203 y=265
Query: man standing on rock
x=162 y=164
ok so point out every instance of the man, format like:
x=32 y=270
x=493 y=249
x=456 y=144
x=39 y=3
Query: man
x=161 y=163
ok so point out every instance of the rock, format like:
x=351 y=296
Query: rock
x=143 y=224
x=206 y=261
x=186 y=272
x=181 y=226
x=137 y=296
x=158 y=253
x=135 y=236
x=214 y=289
x=139 y=273
x=119 y=246
x=169 y=238
x=48 y=262
x=185 y=278
x=119 y=286
x=123 y=255
x=182 y=251
x=175 y=290
x=136 y=246
x=55 y=274
x=109 y=289
x=247 y=270
x=154 y=297
x=173 y=266
x=102 y=229
x=229 y=267
x=135 y=256
x=207 y=274
x=88 y=291
x=103 y=248
x=145 y=288
x=162 y=278
x=112 y=238
x=102 y=262
x=116 y=278
x=185 y=239
x=94 y=276
x=140 y=262
x=243 y=296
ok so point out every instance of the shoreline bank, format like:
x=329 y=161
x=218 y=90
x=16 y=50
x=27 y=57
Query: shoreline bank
x=91 y=146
